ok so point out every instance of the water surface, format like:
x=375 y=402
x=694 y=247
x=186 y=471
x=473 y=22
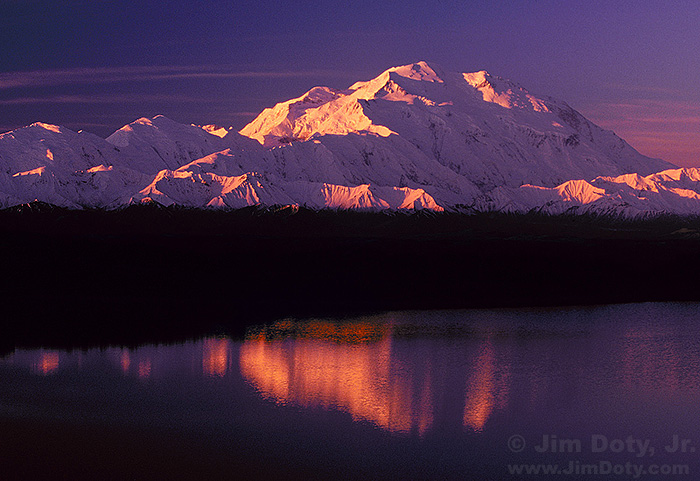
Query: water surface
x=434 y=395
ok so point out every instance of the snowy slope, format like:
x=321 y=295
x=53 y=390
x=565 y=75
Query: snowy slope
x=56 y=165
x=44 y=145
x=487 y=131
x=79 y=170
x=191 y=189
x=674 y=191
x=151 y=145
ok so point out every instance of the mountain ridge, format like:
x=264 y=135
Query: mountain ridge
x=414 y=137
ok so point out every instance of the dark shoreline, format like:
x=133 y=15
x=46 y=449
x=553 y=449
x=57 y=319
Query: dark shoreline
x=147 y=273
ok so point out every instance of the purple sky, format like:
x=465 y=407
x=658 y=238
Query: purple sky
x=630 y=66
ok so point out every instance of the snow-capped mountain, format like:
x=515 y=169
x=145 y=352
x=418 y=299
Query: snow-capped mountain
x=415 y=137
x=170 y=163
x=630 y=195
x=487 y=130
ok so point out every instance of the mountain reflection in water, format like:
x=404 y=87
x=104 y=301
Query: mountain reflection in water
x=47 y=363
x=410 y=373
x=376 y=373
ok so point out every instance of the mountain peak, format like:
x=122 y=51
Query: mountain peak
x=420 y=71
x=156 y=121
x=324 y=110
x=159 y=125
x=475 y=131
x=53 y=128
x=214 y=129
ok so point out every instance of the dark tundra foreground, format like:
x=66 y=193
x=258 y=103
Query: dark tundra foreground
x=146 y=272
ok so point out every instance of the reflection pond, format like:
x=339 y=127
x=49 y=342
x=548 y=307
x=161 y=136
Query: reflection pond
x=425 y=395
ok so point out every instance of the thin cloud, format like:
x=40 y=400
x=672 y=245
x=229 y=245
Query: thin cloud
x=667 y=129
x=676 y=147
x=645 y=89
x=102 y=75
x=659 y=123
x=98 y=99
x=673 y=120
x=638 y=111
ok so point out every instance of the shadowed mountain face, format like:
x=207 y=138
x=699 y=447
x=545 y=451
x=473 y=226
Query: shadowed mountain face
x=415 y=137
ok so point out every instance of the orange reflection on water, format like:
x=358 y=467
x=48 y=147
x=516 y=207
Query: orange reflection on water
x=479 y=400
x=125 y=361
x=47 y=363
x=346 y=366
x=487 y=389
x=145 y=368
x=215 y=357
